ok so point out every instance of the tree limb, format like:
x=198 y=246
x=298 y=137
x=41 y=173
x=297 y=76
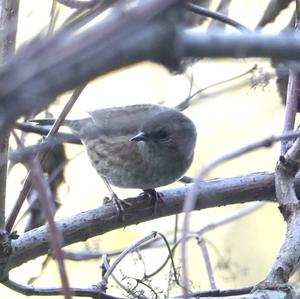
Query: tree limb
x=151 y=31
x=9 y=11
x=87 y=224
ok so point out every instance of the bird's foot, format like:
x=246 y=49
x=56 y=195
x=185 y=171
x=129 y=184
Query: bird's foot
x=156 y=198
x=119 y=204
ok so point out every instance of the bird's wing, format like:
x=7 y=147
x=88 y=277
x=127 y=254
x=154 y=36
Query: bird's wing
x=124 y=121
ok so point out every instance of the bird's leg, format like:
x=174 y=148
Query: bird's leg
x=119 y=204
x=155 y=197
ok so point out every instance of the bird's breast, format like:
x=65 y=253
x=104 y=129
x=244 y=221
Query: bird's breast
x=131 y=165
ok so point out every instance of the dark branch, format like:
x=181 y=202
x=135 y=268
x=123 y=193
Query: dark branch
x=220 y=45
x=152 y=30
x=149 y=28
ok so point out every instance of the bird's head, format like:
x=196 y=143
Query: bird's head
x=167 y=133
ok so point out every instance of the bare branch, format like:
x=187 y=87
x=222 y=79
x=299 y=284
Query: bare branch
x=149 y=35
x=289 y=255
x=215 y=15
x=80 y=227
x=29 y=290
x=220 y=44
x=79 y=3
x=291 y=106
x=210 y=272
x=146 y=25
x=9 y=11
x=273 y=9
x=50 y=133
x=35 y=173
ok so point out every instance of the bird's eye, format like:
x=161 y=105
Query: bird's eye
x=162 y=134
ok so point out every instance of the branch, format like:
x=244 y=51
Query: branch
x=82 y=226
x=29 y=290
x=42 y=157
x=291 y=102
x=219 y=45
x=8 y=31
x=273 y=9
x=288 y=258
x=152 y=31
x=146 y=32
x=35 y=173
x=287 y=261
x=215 y=15
x=291 y=107
x=78 y=4
x=242 y=293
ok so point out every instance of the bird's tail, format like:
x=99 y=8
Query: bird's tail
x=48 y=121
x=43 y=122
x=75 y=125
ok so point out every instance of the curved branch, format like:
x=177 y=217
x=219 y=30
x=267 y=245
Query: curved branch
x=215 y=15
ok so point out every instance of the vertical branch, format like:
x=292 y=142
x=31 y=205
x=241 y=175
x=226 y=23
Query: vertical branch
x=56 y=239
x=291 y=107
x=3 y=177
x=287 y=261
x=45 y=196
x=292 y=96
x=209 y=269
x=8 y=31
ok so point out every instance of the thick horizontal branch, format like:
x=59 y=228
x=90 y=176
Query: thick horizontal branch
x=219 y=44
x=80 y=227
x=153 y=30
x=68 y=58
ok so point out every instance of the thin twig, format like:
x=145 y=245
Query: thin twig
x=223 y=9
x=27 y=185
x=53 y=16
x=50 y=179
x=272 y=11
x=207 y=262
x=120 y=284
x=134 y=247
x=215 y=15
x=32 y=128
x=291 y=106
x=292 y=98
x=210 y=226
x=185 y=103
x=229 y=218
x=129 y=249
x=46 y=201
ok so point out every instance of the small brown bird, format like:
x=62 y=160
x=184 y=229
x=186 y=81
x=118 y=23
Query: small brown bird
x=139 y=146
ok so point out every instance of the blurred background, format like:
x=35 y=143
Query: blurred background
x=227 y=116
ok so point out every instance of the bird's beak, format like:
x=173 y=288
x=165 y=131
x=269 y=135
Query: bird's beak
x=139 y=137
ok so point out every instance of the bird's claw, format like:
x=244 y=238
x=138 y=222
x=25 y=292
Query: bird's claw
x=156 y=198
x=119 y=204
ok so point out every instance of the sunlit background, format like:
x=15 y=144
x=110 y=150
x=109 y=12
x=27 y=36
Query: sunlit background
x=228 y=116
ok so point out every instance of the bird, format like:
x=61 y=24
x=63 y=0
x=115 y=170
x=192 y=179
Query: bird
x=141 y=146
